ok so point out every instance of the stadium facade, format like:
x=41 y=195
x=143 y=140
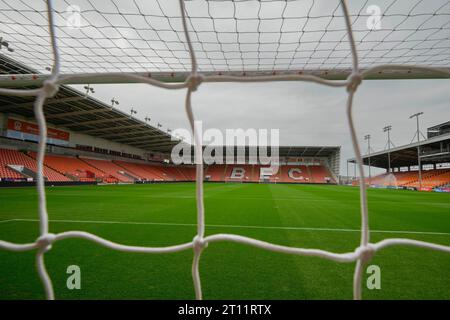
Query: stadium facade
x=93 y=142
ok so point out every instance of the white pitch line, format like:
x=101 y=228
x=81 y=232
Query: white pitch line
x=2 y=221
x=230 y=226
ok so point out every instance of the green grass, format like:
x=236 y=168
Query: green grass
x=228 y=271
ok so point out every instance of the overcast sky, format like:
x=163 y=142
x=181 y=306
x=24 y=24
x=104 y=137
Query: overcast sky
x=305 y=114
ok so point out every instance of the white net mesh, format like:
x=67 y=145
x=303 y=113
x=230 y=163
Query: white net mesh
x=242 y=35
x=193 y=53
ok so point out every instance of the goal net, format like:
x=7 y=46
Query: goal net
x=182 y=45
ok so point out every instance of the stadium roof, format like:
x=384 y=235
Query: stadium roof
x=82 y=113
x=79 y=112
x=433 y=150
x=305 y=151
x=308 y=151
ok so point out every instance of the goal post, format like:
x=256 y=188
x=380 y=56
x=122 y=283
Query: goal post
x=241 y=41
x=388 y=73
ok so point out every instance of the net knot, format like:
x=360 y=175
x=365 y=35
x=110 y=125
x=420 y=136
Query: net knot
x=50 y=88
x=353 y=81
x=199 y=243
x=45 y=241
x=194 y=80
x=365 y=252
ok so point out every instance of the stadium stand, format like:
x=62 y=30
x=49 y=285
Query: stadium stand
x=430 y=179
x=396 y=178
x=143 y=171
x=18 y=165
x=112 y=170
x=71 y=167
x=402 y=161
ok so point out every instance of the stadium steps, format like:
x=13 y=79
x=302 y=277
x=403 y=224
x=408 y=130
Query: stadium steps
x=133 y=174
x=183 y=174
x=139 y=169
x=71 y=167
x=129 y=175
x=167 y=173
x=190 y=172
x=33 y=155
x=75 y=168
x=333 y=176
x=55 y=162
x=173 y=173
x=205 y=172
x=50 y=174
x=178 y=174
x=5 y=171
x=91 y=165
x=24 y=171
x=309 y=174
x=155 y=171
x=15 y=157
x=224 y=174
x=72 y=177
x=109 y=168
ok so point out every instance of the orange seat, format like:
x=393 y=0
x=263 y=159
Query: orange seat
x=14 y=157
x=430 y=178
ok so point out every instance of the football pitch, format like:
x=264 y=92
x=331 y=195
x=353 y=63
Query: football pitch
x=308 y=216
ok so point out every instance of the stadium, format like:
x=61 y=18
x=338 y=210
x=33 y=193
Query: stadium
x=87 y=188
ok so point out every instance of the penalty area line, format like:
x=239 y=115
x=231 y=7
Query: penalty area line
x=229 y=226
